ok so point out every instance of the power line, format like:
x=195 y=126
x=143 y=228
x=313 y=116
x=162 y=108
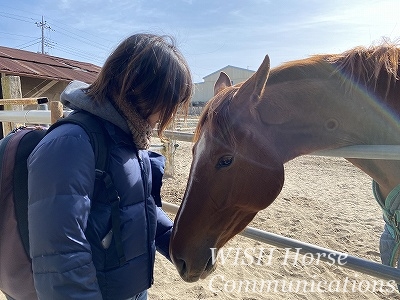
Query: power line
x=43 y=25
x=21 y=47
x=78 y=52
x=37 y=40
x=60 y=30
x=80 y=38
x=13 y=34
x=84 y=40
x=68 y=49
x=73 y=32
x=16 y=17
x=49 y=43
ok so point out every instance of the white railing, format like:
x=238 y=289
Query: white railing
x=389 y=152
x=349 y=262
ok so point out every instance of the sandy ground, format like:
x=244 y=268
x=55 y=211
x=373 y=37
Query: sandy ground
x=325 y=201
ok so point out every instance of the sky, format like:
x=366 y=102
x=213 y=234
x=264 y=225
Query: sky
x=211 y=34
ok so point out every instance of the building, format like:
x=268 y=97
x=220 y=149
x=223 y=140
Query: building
x=42 y=75
x=204 y=91
x=27 y=74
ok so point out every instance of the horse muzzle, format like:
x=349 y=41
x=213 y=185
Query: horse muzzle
x=192 y=273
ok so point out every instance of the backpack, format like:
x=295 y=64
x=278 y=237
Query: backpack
x=16 y=278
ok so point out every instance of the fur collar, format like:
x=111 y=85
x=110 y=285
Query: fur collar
x=140 y=129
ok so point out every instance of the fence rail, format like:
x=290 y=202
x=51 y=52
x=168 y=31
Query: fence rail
x=389 y=152
x=349 y=262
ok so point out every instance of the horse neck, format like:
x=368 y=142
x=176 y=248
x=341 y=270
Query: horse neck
x=303 y=117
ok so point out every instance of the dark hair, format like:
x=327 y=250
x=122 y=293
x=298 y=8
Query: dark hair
x=148 y=73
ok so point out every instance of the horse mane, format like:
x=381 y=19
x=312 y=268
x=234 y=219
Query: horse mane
x=369 y=66
x=361 y=65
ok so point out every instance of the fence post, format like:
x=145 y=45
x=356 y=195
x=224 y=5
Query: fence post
x=56 y=111
x=11 y=89
x=167 y=151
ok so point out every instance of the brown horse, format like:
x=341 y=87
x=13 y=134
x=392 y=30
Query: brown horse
x=250 y=130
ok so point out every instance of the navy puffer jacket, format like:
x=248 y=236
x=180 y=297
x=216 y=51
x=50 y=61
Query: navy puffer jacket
x=66 y=226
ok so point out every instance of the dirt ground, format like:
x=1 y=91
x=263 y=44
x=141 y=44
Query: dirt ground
x=325 y=201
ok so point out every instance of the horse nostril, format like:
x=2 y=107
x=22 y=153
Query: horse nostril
x=180 y=265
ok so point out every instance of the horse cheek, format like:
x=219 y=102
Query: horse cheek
x=261 y=186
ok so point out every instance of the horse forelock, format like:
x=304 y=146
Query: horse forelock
x=216 y=114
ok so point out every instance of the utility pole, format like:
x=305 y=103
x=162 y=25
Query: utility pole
x=43 y=26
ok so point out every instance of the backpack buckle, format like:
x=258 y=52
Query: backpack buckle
x=112 y=194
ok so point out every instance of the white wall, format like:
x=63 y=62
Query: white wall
x=204 y=91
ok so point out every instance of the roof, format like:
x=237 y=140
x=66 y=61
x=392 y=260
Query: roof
x=227 y=67
x=31 y=64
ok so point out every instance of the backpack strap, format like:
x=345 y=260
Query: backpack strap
x=94 y=127
x=113 y=199
x=96 y=132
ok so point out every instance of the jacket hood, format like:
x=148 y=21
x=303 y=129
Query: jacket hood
x=74 y=98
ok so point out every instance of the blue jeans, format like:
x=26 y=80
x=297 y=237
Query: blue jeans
x=140 y=296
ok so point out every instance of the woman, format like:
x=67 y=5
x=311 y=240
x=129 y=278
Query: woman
x=142 y=83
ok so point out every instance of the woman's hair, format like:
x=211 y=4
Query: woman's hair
x=148 y=73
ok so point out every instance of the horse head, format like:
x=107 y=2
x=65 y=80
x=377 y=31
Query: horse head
x=234 y=174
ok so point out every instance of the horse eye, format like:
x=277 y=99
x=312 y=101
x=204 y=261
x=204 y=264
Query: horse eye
x=224 y=161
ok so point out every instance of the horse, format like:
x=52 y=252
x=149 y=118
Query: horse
x=248 y=131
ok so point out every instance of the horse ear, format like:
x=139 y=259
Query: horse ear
x=261 y=77
x=223 y=82
x=270 y=113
